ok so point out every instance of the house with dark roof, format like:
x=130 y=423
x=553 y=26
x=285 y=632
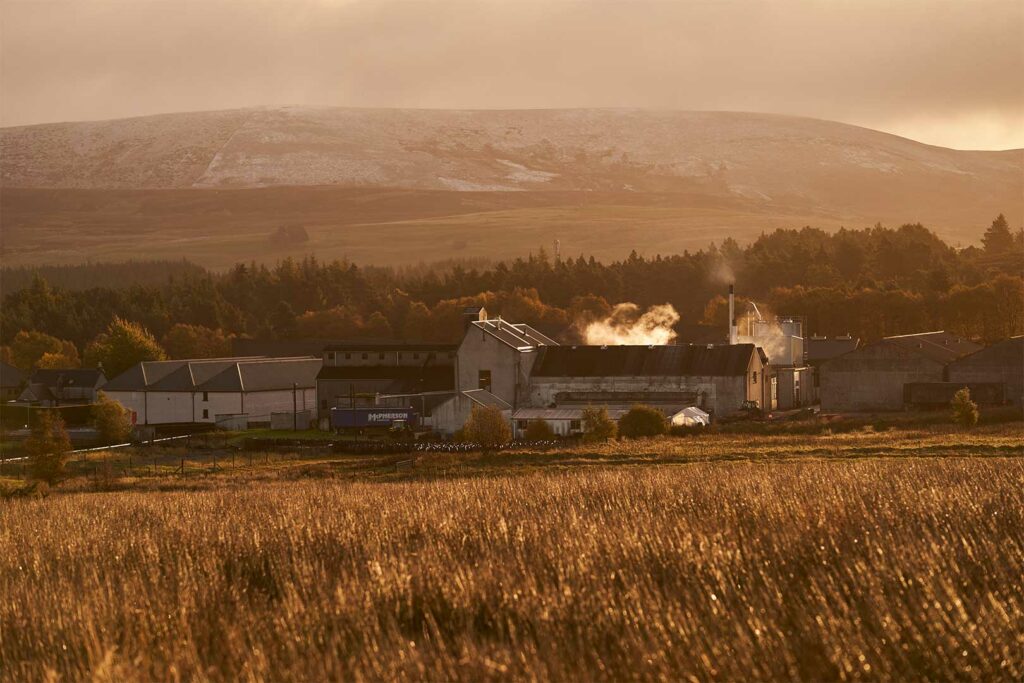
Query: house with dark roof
x=216 y=390
x=497 y=356
x=51 y=388
x=874 y=378
x=719 y=378
x=12 y=381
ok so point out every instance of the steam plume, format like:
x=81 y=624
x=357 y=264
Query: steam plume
x=626 y=325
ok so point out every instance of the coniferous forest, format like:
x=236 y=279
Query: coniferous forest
x=869 y=283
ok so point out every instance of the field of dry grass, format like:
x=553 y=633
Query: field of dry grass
x=586 y=566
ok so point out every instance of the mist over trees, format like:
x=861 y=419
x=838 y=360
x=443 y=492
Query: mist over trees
x=869 y=283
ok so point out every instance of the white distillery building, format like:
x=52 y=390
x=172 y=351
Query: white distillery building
x=216 y=390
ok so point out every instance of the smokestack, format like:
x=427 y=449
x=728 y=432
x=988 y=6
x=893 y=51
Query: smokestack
x=732 y=315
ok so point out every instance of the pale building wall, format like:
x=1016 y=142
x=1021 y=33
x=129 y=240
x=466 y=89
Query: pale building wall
x=510 y=368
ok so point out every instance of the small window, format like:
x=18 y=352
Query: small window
x=348 y=356
x=323 y=403
x=206 y=414
x=366 y=356
x=575 y=425
x=522 y=424
x=332 y=356
x=483 y=379
x=415 y=356
x=399 y=354
x=380 y=356
x=753 y=377
x=206 y=396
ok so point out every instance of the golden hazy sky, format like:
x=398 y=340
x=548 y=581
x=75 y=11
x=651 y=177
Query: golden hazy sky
x=947 y=73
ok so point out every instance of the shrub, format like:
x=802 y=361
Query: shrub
x=112 y=420
x=47 y=448
x=642 y=421
x=597 y=425
x=539 y=430
x=487 y=427
x=965 y=411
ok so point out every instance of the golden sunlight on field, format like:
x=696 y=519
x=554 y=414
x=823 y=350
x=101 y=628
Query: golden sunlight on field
x=808 y=570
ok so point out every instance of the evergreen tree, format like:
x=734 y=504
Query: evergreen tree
x=47 y=447
x=998 y=239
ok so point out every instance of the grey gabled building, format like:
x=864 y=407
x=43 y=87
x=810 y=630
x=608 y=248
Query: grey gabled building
x=1001 y=363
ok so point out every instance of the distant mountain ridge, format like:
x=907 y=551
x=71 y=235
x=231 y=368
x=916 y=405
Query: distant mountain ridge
x=820 y=165
x=398 y=186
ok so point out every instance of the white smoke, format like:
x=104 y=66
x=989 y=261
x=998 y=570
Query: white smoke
x=626 y=325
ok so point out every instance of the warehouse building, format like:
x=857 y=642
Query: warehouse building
x=874 y=377
x=1001 y=364
x=235 y=391
x=354 y=373
x=719 y=379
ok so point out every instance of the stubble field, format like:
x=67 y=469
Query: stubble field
x=812 y=568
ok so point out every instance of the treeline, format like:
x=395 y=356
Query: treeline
x=870 y=283
x=90 y=275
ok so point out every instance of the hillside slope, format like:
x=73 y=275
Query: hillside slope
x=768 y=170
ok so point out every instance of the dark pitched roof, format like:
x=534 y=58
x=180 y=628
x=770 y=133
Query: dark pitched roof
x=36 y=392
x=940 y=346
x=70 y=377
x=170 y=375
x=643 y=361
x=10 y=376
x=268 y=374
x=403 y=378
x=1008 y=353
x=822 y=348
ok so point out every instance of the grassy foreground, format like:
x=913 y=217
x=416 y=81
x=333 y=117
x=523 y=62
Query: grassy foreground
x=810 y=569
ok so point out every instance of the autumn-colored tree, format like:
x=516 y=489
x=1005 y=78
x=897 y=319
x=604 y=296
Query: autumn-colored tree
x=487 y=427
x=597 y=425
x=47 y=447
x=196 y=341
x=112 y=420
x=643 y=421
x=32 y=349
x=965 y=411
x=123 y=345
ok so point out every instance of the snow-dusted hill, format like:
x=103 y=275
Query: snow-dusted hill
x=820 y=165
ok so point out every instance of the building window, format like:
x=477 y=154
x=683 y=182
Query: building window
x=348 y=356
x=522 y=424
x=415 y=356
x=753 y=377
x=575 y=425
x=380 y=356
x=399 y=354
x=206 y=396
x=366 y=356
x=483 y=379
x=206 y=414
x=332 y=356
x=323 y=403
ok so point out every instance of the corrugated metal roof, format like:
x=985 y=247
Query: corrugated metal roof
x=486 y=398
x=644 y=361
x=819 y=349
x=561 y=413
x=941 y=346
x=268 y=374
x=147 y=374
x=517 y=335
